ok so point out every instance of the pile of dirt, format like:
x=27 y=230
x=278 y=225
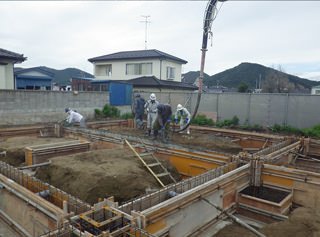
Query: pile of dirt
x=101 y=174
x=15 y=147
x=302 y=222
x=193 y=140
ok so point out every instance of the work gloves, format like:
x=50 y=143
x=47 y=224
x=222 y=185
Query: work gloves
x=187 y=120
x=162 y=127
x=176 y=120
x=169 y=120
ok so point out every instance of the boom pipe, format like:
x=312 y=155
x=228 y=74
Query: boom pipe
x=209 y=13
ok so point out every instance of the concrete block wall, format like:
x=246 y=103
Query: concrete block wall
x=30 y=107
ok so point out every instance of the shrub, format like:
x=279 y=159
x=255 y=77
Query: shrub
x=235 y=120
x=108 y=111
x=256 y=126
x=210 y=122
x=200 y=119
x=220 y=124
x=245 y=126
x=115 y=112
x=227 y=122
x=97 y=111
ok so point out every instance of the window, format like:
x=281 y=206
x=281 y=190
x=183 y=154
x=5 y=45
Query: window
x=138 y=68
x=171 y=73
x=109 y=70
x=317 y=92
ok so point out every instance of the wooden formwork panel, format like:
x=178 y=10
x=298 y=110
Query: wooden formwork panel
x=20 y=131
x=280 y=208
x=41 y=153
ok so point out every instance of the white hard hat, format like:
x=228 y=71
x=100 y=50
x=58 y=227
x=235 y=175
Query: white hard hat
x=179 y=107
x=153 y=96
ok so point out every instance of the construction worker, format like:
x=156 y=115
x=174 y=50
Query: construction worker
x=75 y=117
x=185 y=116
x=163 y=121
x=139 y=110
x=151 y=109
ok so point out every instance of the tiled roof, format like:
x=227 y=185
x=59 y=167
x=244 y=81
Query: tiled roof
x=138 y=54
x=152 y=81
x=6 y=54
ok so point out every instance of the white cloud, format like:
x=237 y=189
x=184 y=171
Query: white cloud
x=62 y=34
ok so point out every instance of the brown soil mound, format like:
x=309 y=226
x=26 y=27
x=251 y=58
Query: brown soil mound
x=101 y=174
x=301 y=223
x=15 y=147
x=194 y=140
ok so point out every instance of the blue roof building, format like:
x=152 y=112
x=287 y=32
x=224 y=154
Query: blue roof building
x=33 y=79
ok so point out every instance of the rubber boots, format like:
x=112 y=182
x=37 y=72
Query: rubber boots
x=155 y=135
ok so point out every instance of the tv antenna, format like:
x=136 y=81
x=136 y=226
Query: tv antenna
x=146 y=21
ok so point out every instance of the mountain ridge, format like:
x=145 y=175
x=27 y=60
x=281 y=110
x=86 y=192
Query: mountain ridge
x=257 y=76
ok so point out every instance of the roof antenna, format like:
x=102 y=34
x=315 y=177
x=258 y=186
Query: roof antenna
x=146 y=21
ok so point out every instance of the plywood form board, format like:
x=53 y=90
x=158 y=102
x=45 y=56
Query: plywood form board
x=187 y=211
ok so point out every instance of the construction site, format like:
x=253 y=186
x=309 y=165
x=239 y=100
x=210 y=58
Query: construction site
x=112 y=180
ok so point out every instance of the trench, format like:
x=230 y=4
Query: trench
x=193 y=166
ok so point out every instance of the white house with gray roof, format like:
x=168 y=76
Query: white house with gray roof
x=133 y=64
x=7 y=61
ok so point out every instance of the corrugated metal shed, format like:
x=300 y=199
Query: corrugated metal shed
x=120 y=93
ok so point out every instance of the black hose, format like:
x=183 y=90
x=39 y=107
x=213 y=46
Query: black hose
x=206 y=28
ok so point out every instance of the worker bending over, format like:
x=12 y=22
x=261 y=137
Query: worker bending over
x=185 y=116
x=139 y=110
x=163 y=121
x=151 y=109
x=75 y=117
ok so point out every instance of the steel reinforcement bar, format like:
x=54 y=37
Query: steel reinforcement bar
x=147 y=201
x=272 y=148
x=51 y=193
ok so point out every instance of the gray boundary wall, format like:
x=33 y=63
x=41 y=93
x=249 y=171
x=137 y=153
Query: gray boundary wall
x=30 y=107
x=296 y=110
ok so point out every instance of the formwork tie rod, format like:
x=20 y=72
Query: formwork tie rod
x=234 y=218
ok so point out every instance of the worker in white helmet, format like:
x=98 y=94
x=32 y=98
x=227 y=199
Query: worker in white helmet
x=151 y=110
x=184 y=116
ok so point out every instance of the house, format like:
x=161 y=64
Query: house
x=7 y=61
x=141 y=63
x=215 y=89
x=315 y=90
x=33 y=79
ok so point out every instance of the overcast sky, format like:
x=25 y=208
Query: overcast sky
x=62 y=34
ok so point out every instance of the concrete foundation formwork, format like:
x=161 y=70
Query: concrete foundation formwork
x=180 y=209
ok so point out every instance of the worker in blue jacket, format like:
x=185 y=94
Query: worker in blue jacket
x=163 y=121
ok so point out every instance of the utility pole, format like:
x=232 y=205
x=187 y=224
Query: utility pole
x=260 y=81
x=146 y=21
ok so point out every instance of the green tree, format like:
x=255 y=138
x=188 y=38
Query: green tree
x=243 y=87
